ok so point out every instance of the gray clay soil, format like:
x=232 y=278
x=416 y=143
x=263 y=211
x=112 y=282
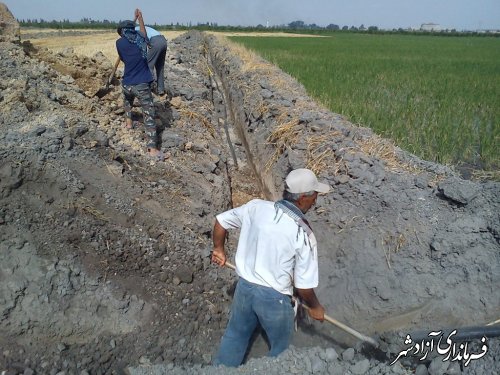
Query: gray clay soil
x=104 y=254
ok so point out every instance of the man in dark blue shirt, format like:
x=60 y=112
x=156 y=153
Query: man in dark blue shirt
x=137 y=78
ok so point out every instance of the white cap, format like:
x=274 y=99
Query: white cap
x=303 y=181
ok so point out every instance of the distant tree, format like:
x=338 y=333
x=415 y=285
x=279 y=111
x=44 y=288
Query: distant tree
x=353 y=28
x=332 y=26
x=345 y=28
x=372 y=28
x=296 y=25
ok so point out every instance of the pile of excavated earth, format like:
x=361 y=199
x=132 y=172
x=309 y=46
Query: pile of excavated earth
x=104 y=254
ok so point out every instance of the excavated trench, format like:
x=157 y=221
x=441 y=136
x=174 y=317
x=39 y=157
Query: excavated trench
x=105 y=255
x=308 y=135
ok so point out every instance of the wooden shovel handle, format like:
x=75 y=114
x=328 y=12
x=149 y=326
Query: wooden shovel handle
x=113 y=71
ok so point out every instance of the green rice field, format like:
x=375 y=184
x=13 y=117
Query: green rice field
x=435 y=96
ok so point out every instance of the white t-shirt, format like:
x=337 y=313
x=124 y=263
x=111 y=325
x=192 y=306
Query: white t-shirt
x=272 y=249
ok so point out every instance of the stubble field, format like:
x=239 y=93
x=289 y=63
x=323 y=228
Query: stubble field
x=87 y=44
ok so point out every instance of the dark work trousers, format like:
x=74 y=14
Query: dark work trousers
x=156 y=61
x=142 y=92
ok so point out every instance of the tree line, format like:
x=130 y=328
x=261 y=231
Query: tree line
x=295 y=27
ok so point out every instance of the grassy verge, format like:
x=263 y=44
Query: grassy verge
x=437 y=97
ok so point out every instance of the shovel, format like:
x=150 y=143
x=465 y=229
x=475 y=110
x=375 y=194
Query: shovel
x=332 y=320
x=105 y=89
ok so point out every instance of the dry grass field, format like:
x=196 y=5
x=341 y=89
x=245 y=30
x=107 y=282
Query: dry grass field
x=86 y=45
x=104 y=41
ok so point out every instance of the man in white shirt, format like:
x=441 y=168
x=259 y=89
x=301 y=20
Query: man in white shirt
x=276 y=252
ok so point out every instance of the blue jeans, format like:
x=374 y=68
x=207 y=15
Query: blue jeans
x=254 y=304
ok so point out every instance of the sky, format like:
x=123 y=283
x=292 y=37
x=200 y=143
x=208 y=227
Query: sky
x=385 y=14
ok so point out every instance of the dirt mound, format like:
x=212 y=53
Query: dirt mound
x=92 y=230
x=104 y=254
x=9 y=27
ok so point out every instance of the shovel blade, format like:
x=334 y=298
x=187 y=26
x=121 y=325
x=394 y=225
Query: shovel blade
x=102 y=92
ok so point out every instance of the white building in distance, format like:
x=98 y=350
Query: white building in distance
x=430 y=27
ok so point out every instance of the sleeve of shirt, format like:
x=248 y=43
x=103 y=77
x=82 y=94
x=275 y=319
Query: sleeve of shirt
x=118 y=50
x=234 y=218
x=306 y=266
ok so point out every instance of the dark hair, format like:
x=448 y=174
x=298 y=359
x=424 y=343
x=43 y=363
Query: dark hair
x=294 y=197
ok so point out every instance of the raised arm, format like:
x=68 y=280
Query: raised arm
x=138 y=17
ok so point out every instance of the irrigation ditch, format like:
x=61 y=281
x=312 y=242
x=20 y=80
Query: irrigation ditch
x=104 y=256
